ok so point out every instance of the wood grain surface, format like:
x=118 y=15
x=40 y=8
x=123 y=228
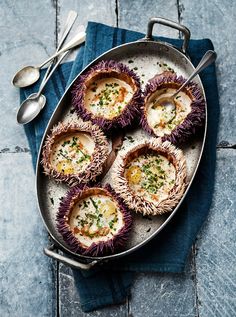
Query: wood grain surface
x=33 y=285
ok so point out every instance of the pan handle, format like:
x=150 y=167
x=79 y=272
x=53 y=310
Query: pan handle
x=67 y=261
x=171 y=24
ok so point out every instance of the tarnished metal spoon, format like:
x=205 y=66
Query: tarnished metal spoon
x=33 y=107
x=30 y=74
x=169 y=102
x=30 y=108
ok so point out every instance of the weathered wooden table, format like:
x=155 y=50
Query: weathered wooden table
x=33 y=285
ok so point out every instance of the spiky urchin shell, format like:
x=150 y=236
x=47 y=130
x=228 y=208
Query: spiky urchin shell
x=130 y=112
x=193 y=121
x=138 y=203
x=99 y=248
x=99 y=157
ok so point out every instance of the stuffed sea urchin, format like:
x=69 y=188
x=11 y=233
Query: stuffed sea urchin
x=109 y=95
x=75 y=153
x=176 y=125
x=94 y=221
x=151 y=177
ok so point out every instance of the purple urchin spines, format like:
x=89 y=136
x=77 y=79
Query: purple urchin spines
x=139 y=203
x=95 y=249
x=132 y=110
x=193 y=121
x=99 y=157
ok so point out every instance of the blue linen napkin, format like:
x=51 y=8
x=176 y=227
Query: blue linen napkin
x=169 y=250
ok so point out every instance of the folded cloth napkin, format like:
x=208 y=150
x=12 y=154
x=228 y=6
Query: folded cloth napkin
x=167 y=252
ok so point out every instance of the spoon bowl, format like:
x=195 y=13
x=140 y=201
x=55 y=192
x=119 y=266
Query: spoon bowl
x=30 y=74
x=26 y=76
x=169 y=102
x=30 y=108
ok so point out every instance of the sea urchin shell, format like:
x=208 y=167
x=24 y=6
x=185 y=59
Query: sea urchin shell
x=161 y=121
x=94 y=221
x=151 y=177
x=108 y=94
x=75 y=153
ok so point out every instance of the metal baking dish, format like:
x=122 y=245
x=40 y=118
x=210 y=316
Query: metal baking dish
x=146 y=56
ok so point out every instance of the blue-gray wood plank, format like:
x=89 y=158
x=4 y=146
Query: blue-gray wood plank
x=215 y=248
x=216 y=20
x=31 y=284
x=26 y=276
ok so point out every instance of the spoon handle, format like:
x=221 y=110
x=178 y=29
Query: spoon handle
x=72 y=15
x=78 y=39
x=207 y=59
x=52 y=71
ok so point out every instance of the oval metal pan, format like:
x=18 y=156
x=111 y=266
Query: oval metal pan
x=145 y=56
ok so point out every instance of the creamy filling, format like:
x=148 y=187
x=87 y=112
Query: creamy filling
x=161 y=118
x=95 y=218
x=108 y=97
x=151 y=176
x=72 y=153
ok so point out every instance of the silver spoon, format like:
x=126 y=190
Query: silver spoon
x=30 y=74
x=169 y=102
x=30 y=108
